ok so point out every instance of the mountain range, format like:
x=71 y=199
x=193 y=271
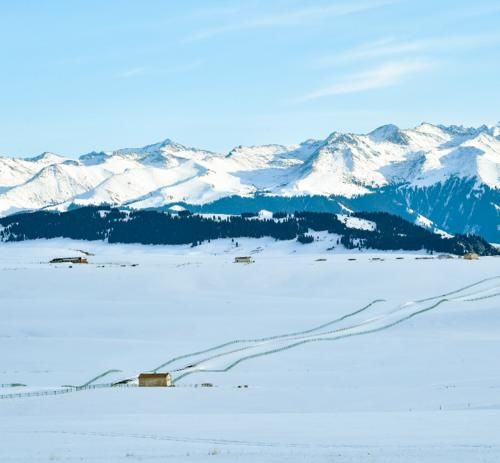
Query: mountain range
x=446 y=178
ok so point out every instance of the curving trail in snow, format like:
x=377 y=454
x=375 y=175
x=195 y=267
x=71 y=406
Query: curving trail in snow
x=371 y=318
x=191 y=440
x=269 y=338
x=93 y=380
x=225 y=356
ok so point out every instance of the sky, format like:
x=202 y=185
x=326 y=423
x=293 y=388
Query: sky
x=99 y=75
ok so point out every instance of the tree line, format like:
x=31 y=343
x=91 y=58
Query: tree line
x=153 y=227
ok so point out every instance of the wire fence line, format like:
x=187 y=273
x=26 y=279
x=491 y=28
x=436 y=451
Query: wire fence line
x=269 y=338
x=64 y=390
x=312 y=330
x=67 y=390
x=305 y=341
x=459 y=290
x=297 y=336
x=93 y=380
x=319 y=338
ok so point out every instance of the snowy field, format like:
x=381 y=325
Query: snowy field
x=392 y=360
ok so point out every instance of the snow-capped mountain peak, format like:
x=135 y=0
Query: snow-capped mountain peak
x=389 y=133
x=343 y=164
x=47 y=158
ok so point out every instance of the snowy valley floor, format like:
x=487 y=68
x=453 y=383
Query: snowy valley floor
x=345 y=360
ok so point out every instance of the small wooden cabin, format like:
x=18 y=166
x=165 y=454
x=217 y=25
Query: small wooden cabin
x=471 y=256
x=243 y=260
x=155 y=380
x=69 y=260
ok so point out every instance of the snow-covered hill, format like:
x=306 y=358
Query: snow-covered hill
x=345 y=165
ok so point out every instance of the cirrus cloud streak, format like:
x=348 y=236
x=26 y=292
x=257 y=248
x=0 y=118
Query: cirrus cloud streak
x=385 y=75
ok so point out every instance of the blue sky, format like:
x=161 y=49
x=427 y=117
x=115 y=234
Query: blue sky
x=88 y=75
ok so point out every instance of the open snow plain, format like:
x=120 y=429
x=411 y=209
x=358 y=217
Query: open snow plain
x=345 y=360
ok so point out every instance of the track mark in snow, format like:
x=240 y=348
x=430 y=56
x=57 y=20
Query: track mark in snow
x=238 y=442
x=268 y=338
x=386 y=320
x=93 y=380
x=271 y=345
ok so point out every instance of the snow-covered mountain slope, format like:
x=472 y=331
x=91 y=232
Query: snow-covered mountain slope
x=136 y=182
x=15 y=171
x=346 y=165
x=60 y=182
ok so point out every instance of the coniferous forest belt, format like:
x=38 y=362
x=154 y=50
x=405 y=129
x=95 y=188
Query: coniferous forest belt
x=154 y=227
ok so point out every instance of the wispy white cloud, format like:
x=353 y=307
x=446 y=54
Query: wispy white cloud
x=385 y=75
x=408 y=57
x=290 y=18
x=174 y=69
x=392 y=47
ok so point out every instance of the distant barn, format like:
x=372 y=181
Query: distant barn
x=69 y=260
x=243 y=260
x=155 y=380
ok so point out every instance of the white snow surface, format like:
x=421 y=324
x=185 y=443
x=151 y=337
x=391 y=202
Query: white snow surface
x=355 y=222
x=353 y=389
x=425 y=222
x=342 y=164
